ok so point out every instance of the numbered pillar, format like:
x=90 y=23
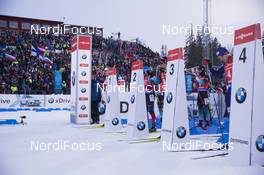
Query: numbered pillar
x=137 y=120
x=246 y=130
x=175 y=127
x=112 y=114
x=81 y=79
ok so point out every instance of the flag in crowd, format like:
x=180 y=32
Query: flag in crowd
x=7 y=57
x=40 y=53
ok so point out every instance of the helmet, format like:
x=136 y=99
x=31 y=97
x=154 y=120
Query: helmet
x=221 y=51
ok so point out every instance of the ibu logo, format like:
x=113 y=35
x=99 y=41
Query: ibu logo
x=141 y=126
x=169 y=97
x=73 y=78
x=108 y=99
x=181 y=132
x=260 y=143
x=84 y=73
x=241 y=95
x=83 y=107
x=84 y=56
x=115 y=121
x=132 y=100
x=83 y=90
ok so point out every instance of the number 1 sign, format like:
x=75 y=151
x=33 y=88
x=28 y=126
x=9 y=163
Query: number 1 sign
x=112 y=117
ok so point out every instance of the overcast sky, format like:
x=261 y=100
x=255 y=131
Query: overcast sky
x=142 y=18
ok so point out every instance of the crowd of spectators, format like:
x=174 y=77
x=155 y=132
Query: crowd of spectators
x=29 y=75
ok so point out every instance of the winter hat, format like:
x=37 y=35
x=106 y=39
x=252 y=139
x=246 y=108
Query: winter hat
x=221 y=51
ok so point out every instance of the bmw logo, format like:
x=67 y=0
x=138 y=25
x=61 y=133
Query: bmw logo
x=83 y=107
x=260 y=143
x=181 y=132
x=241 y=95
x=73 y=78
x=115 y=121
x=84 y=56
x=51 y=100
x=83 y=90
x=141 y=126
x=169 y=97
x=108 y=99
x=83 y=73
x=132 y=100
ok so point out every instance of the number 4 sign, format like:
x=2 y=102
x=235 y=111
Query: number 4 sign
x=246 y=121
x=243 y=56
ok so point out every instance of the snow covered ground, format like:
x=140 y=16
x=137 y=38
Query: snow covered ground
x=115 y=157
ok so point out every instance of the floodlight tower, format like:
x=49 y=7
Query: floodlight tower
x=207 y=21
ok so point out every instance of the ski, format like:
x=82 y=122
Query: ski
x=118 y=132
x=199 y=150
x=155 y=132
x=137 y=139
x=143 y=140
x=147 y=140
x=210 y=156
x=90 y=126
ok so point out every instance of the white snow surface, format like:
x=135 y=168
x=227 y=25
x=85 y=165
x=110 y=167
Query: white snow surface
x=115 y=157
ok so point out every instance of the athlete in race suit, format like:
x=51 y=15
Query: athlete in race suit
x=161 y=91
x=202 y=98
x=225 y=70
x=150 y=98
x=228 y=75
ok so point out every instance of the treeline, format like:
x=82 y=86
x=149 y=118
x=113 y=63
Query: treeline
x=195 y=49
